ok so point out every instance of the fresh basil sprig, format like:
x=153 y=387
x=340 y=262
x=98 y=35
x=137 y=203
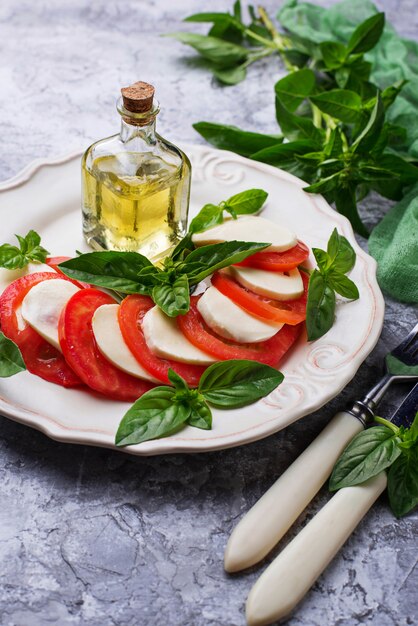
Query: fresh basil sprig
x=169 y=286
x=13 y=257
x=383 y=447
x=243 y=203
x=338 y=123
x=163 y=410
x=11 y=360
x=327 y=280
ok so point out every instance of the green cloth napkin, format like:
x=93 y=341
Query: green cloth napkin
x=394 y=241
x=394 y=245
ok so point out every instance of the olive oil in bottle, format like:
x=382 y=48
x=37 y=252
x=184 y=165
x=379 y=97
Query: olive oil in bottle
x=136 y=185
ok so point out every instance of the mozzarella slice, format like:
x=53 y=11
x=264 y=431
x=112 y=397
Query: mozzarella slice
x=249 y=228
x=8 y=276
x=166 y=340
x=277 y=285
x=111 y=343
x=230 y=321
x=42 y=306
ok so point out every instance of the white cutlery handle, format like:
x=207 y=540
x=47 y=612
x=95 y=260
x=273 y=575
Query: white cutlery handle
x=296 y=568
x=270 y=518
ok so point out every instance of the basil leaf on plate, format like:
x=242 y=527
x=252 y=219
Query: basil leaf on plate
x=320 y=307
x=112 y=270
x=11 y=360
x=403 y=483
x=207 y=259
x=246 y=202
x=200 y=415
x=235 y=139
x=208 y=216
x=173 y=298
x=235 y=383
x=369 y=453
x=341 y=252
x=13 y=257
x=155 y=414
x=342 y=285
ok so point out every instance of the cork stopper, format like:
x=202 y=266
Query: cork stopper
x=138 y=97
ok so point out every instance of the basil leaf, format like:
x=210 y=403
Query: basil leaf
x=320 y=307
x=11 y=360
x=370 y=134
x=295 y=127
x=398 y=368
x=342 y=285
x=112 y=270
x=235 y=139
x=322 y=258
x=173 y=298
x=280 y=154
x=12 y=257
x=324 y=185
x=342 y=104
x=208 y=216
x=230 y=75
x=200 y=415
x=182 y=249
x=246 y=202
x=223 y=53
x=403 y=483
x=295 y=87
x=177 y=381
x=216 y=18
x=341 y=252
x=239 y=382
x=367 y=34
x=333 y=54
x=369 y=453
x=207 y=259
x=155 y=414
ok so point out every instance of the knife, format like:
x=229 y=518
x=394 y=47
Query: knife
x=288 y=578
x=271 y=517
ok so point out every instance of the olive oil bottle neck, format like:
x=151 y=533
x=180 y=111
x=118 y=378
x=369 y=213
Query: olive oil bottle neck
x=145 y=133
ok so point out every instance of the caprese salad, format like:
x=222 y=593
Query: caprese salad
x=120 y=326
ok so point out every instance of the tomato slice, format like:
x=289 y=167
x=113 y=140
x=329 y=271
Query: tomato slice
x=54 y=261
x=278 y=261
x=40 y=357
x=131 y=313
x=80 y=349
x=269 y=352
x=287 y=312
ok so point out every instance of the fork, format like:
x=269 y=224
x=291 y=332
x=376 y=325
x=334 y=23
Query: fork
x=270 y=518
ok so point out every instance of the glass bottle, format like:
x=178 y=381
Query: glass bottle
x=135 y=185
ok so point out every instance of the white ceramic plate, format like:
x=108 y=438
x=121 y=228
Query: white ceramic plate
x=46 y=197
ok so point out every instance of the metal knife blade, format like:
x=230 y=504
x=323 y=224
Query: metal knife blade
x=405 y=413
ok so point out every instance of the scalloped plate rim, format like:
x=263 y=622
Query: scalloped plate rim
x=169 y=445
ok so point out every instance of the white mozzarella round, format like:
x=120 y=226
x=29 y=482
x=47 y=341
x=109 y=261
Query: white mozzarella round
x=111 y=343
x=8 y=276
x=249 y=228
x=165 y=339
x=42 y=306
x=277 y=285
x=230 y=321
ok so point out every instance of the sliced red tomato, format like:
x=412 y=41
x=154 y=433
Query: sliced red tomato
x=131 y=313
x=54 y=261
x=269 y=352
x=278 y=261
x=285 y=311
x=80 y=349
x=40 y=357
